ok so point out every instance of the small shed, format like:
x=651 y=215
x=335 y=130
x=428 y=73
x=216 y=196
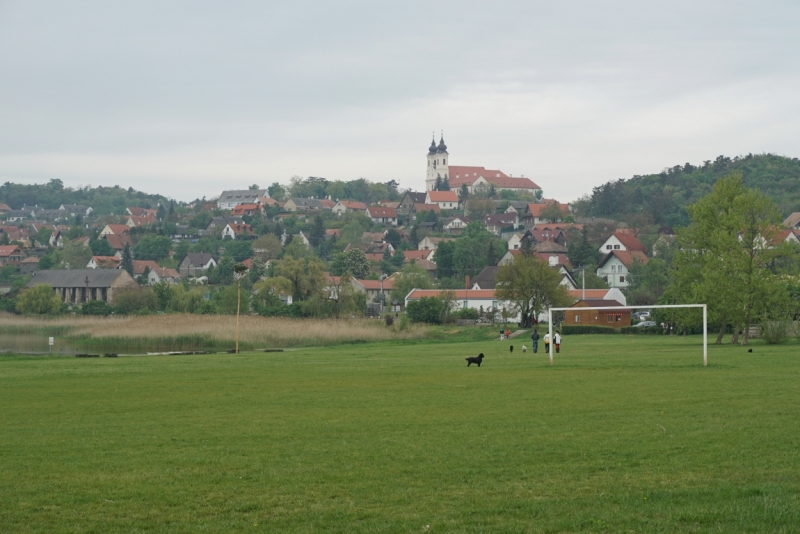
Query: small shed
x=613 y=318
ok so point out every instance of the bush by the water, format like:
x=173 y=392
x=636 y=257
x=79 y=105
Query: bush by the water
x=96 y=307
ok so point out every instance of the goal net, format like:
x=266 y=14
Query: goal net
x=630 y=308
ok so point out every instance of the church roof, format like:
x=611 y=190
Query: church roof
x=460 y=175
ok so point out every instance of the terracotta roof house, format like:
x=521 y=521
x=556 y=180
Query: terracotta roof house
x=103 y=262
x=416 y=255
x=4 y=208
x=599 y=294
x=372 y=288
x=345 y=206
x=139 y=267
x=534 y=214
x=115 y=229
x=496 y=223
x=446 y=200
x=245 y=209
x=142 y=212
x=614 y=267
x=76 y=286
x=136 y=221
x=418 y=208
x=237 y=231
x=387 y=216
x=163 y=274
x=10 y=254
x=455 y=225
x=624 y=240
x=217 y=224
x=230 y=199
x=195 y=262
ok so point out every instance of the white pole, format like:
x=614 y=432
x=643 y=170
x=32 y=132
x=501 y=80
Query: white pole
x=583 y=274
x=705 y=335
x=550 y=333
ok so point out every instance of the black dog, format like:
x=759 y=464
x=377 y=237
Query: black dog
x=475 y=359
x=511 y=348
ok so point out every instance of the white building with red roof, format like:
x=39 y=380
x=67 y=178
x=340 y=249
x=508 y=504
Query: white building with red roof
x=475 y=299
x=622 y=239
x=446 y=200
x=473 y=177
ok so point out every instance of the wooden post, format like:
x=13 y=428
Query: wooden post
x=238 y=304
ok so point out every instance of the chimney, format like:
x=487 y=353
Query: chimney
x=466 y=282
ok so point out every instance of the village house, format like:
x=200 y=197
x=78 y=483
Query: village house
x=217 y=224
x=116 y=242
x=163 y=274
x=230 y=199
x=416 y=209
x=446 y=200
x=373 y=288
x=485 y=278
x=194 y=263
x=582 y=317
x=475 y=299
x=533 y=216
x=431 y=243
x=246 y=209
x=29 y=265
x=347 y=206
x=614 y=267
x=416 y=255
x=104 y=262
x=77 y=286
x=10 y=254
x=142 y=212
x=386 y=216
x=612 y=293
x=76 y=209
x=303 y=204
x=455 y=225
x=623 y=240
x=115 y=229
x=793 y=221
x=144 y=220
x=496 y=223
x=407 y=202
x=237 y=231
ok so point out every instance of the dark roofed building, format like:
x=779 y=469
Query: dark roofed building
x=76 y=286
x=485 y=278
x=195 y=263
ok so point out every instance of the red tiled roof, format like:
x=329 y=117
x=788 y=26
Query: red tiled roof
x=166 y=272
x=460 y=175
x=376 y=284
x=242 y=209
x=118 y=229
x=597 y=303
x=327 y=203
x=9 y=250
x=353 y=205
x=139 y=266
x=460 y=294
x=536 y=209
x=139 y=212
x=382 y=213
x=443 y=196
x=416 y=254
x=427 y=207
x=118 y=242
x=143 y=220
x=630 y=241
x=562 y=258
x=625 y=257
x=590 y=293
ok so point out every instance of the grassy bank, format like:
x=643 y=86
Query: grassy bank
x=207 y=332
x=622 y=434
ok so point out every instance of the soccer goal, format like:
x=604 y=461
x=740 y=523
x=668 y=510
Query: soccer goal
x=619 y=308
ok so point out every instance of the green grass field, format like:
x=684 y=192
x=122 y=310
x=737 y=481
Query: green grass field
x=623 y=434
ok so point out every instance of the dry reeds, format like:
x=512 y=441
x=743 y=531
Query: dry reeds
x=186 y=331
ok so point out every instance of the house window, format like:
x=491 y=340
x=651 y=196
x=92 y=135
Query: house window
x=465 y=304
x=608 y=247
x=616 y=247
x=577 y=317
x=610 y=318
x=516 y=247
x=619 y=318
x=622 y=279
x=494 y=304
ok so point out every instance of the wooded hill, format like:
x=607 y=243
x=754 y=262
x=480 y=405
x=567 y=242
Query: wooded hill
x=103 y=200
x=664 y=196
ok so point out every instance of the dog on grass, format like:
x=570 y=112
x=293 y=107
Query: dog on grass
x=475 y=359
x=524 y=348
x=511 y=349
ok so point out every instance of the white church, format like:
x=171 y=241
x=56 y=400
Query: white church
x=472 y=177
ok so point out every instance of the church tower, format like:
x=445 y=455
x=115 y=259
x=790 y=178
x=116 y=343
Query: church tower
x=437 y=163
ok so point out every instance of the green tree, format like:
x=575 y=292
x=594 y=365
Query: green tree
x=412 y=276
x=267 y=247
x=38 y=300
x=306 y=274
x=135 y=300
x=725 y=253
x=353 y=261
x=152 y=247
x=317 y=234
x=43 y=236
x=127 y=259
x=531 y=286
x=277 y=191
x=239 y=249
x=100 y=247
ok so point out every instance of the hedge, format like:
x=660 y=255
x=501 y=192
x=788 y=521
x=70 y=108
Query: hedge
x=588 y=329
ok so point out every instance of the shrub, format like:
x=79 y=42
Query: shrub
x=96 y=307
x=389 y=319
x=129 y=301
x=775 y=331
x=588 y=329
x=467 y=313
x=651 y=330
x=38 y=300
x=425 y=310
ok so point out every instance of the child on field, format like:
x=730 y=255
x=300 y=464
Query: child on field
x=557 y=341
x=547 y=342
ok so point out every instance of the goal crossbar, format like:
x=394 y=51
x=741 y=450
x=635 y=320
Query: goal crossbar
x=620 y=308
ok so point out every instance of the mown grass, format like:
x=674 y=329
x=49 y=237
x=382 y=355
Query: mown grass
x=622 y=434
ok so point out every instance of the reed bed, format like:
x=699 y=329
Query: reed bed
x=208 y=332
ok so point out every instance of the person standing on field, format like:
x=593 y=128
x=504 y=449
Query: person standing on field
x=557 y=340
x=547 y=342
x=535 y=340
x=502 y=336
x=508 y=333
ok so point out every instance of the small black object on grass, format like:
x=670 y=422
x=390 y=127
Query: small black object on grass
x=749 y=350
x=511 y=348
x=273 y=350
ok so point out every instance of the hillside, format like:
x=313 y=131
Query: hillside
x=103 y=200
x=664 y=196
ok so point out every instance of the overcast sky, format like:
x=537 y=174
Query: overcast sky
x=189 y=98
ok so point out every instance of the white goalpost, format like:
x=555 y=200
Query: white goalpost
x=619 y=308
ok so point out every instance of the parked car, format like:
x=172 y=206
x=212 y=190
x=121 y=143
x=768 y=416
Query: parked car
x=645 y=324
x=644 y=315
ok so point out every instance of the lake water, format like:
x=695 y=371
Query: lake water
x=34 y=344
